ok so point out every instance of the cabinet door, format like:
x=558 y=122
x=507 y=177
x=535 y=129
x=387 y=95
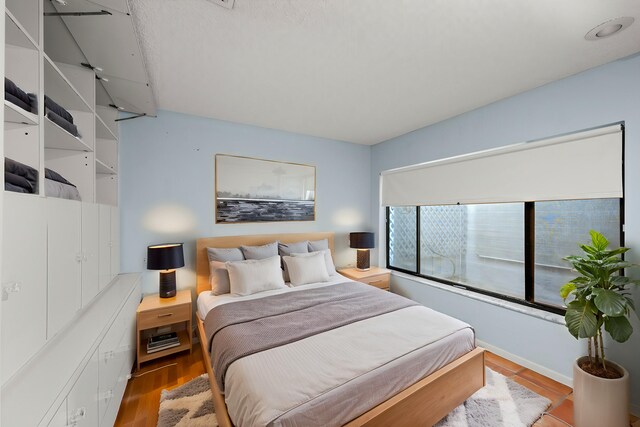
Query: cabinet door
x=110 y=364
x=64 y=262
x=82 y=400
x=115 y=242
x=24 y=280
x=105 y=246
x=90 y=252
x=60 y=418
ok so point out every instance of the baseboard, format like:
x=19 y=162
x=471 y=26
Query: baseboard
x=528 y=364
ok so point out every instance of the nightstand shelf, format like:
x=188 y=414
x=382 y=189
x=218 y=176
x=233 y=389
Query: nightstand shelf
x=167 y=314
x=375 y=276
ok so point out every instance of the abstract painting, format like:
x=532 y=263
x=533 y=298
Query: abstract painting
x=256 y=190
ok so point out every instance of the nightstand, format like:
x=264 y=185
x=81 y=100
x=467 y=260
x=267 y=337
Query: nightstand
x=375 y=276
x=156 y=316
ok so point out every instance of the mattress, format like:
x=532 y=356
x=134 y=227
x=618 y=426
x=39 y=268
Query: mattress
x=333 y=377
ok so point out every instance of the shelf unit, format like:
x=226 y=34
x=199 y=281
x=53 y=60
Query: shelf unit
x=89 y=160
x=22 y=66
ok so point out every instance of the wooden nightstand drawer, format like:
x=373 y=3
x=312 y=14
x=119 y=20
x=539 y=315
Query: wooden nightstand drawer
x=163 y=316
x=381 y=281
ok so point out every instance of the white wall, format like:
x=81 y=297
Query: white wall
x=167 y=185
x=607 y=94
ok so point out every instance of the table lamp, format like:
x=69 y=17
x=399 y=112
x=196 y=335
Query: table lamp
x=362 y=241
x=166 y=258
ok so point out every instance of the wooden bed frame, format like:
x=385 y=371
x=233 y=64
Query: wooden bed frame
x=423 y=403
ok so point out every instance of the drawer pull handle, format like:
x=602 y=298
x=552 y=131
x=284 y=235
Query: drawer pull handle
x=78 y=415
x=376 y=281
x=11 y=288
x=165 y=315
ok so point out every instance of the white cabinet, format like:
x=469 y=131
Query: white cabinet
x=90 y=252
x=24 y=281
x=67 y=368
x=64 y=256
x=115 y=241
x=82 y=401
x=105 y=245
x=60 y=418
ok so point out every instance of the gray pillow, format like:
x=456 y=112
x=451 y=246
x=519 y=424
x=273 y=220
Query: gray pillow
x=260 y=252
x=286 y=249
x=318 y=245
x=224 y=254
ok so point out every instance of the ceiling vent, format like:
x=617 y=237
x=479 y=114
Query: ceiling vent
x=224 y=3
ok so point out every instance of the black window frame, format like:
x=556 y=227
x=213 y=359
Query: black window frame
x=529 y=254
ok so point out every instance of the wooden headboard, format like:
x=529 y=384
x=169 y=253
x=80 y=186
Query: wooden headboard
x=202 y=261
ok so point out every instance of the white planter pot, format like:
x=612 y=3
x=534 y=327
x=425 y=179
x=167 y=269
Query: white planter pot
x=599 y=402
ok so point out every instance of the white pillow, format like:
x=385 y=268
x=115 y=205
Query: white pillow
x=218 y=278
x=307 y=269
x=255 y=275
x=331 y=268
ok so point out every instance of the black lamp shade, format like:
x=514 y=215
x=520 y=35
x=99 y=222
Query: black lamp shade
x=362 y=240
x=168 y=256
x=165 y=257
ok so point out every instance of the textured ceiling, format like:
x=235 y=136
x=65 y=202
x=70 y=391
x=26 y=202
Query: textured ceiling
x=366 y=71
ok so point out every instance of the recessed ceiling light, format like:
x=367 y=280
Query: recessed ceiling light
x=609 y=28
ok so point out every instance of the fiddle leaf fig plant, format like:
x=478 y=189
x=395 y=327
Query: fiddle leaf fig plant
x=599 y=297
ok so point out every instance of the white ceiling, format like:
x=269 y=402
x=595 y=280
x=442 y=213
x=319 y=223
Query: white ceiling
x=366 y=71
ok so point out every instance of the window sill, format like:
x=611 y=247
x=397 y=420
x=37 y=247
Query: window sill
x=529 y=311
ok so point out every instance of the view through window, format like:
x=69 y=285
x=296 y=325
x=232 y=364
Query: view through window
x=482 y=247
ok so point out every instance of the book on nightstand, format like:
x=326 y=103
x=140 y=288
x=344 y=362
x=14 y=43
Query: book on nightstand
x=162 y=342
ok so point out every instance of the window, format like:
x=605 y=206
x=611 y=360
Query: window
x=484 y=247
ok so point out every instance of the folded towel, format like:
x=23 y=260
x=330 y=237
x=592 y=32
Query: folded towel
x=64 y=124
x=19 y=181
x=13 y=89
x=53 y=106
x=14 y=188
x=20 y=169
x=55 y=176
x=17 y=101
x=34 y=102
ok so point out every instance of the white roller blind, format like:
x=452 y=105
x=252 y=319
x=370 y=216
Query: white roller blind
x=584 y=165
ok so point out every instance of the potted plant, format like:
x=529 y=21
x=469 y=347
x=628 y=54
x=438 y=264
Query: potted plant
x=599 y=298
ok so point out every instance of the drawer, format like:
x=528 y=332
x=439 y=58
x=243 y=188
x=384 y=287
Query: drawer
x=164 y=316
x=380 y=281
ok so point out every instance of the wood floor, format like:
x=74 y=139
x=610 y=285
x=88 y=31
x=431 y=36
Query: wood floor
x=142 y=398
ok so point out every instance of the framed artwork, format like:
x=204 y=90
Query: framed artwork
x=257 y=190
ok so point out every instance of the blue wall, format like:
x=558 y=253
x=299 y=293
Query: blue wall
x=167 y=185
x=603 y=95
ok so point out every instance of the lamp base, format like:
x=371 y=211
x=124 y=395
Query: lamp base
x=362 y=262
x=168 y=284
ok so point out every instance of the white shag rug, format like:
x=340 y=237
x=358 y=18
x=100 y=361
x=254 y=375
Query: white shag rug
x=501 y=403
x=189 y=405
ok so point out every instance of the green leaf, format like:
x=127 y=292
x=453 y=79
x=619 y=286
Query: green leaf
x=580 y=319
x=610 y=302
x=599 y=241
x=618 y=327
x=566 y=289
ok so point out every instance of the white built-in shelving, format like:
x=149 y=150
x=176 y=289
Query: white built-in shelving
x=88 y=160
x=61 y=280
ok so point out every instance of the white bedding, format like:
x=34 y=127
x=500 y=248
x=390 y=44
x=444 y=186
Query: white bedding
x=370 y=360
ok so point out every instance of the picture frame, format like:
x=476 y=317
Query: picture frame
x=250 y=190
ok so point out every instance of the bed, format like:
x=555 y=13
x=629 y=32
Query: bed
x=397 y=377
